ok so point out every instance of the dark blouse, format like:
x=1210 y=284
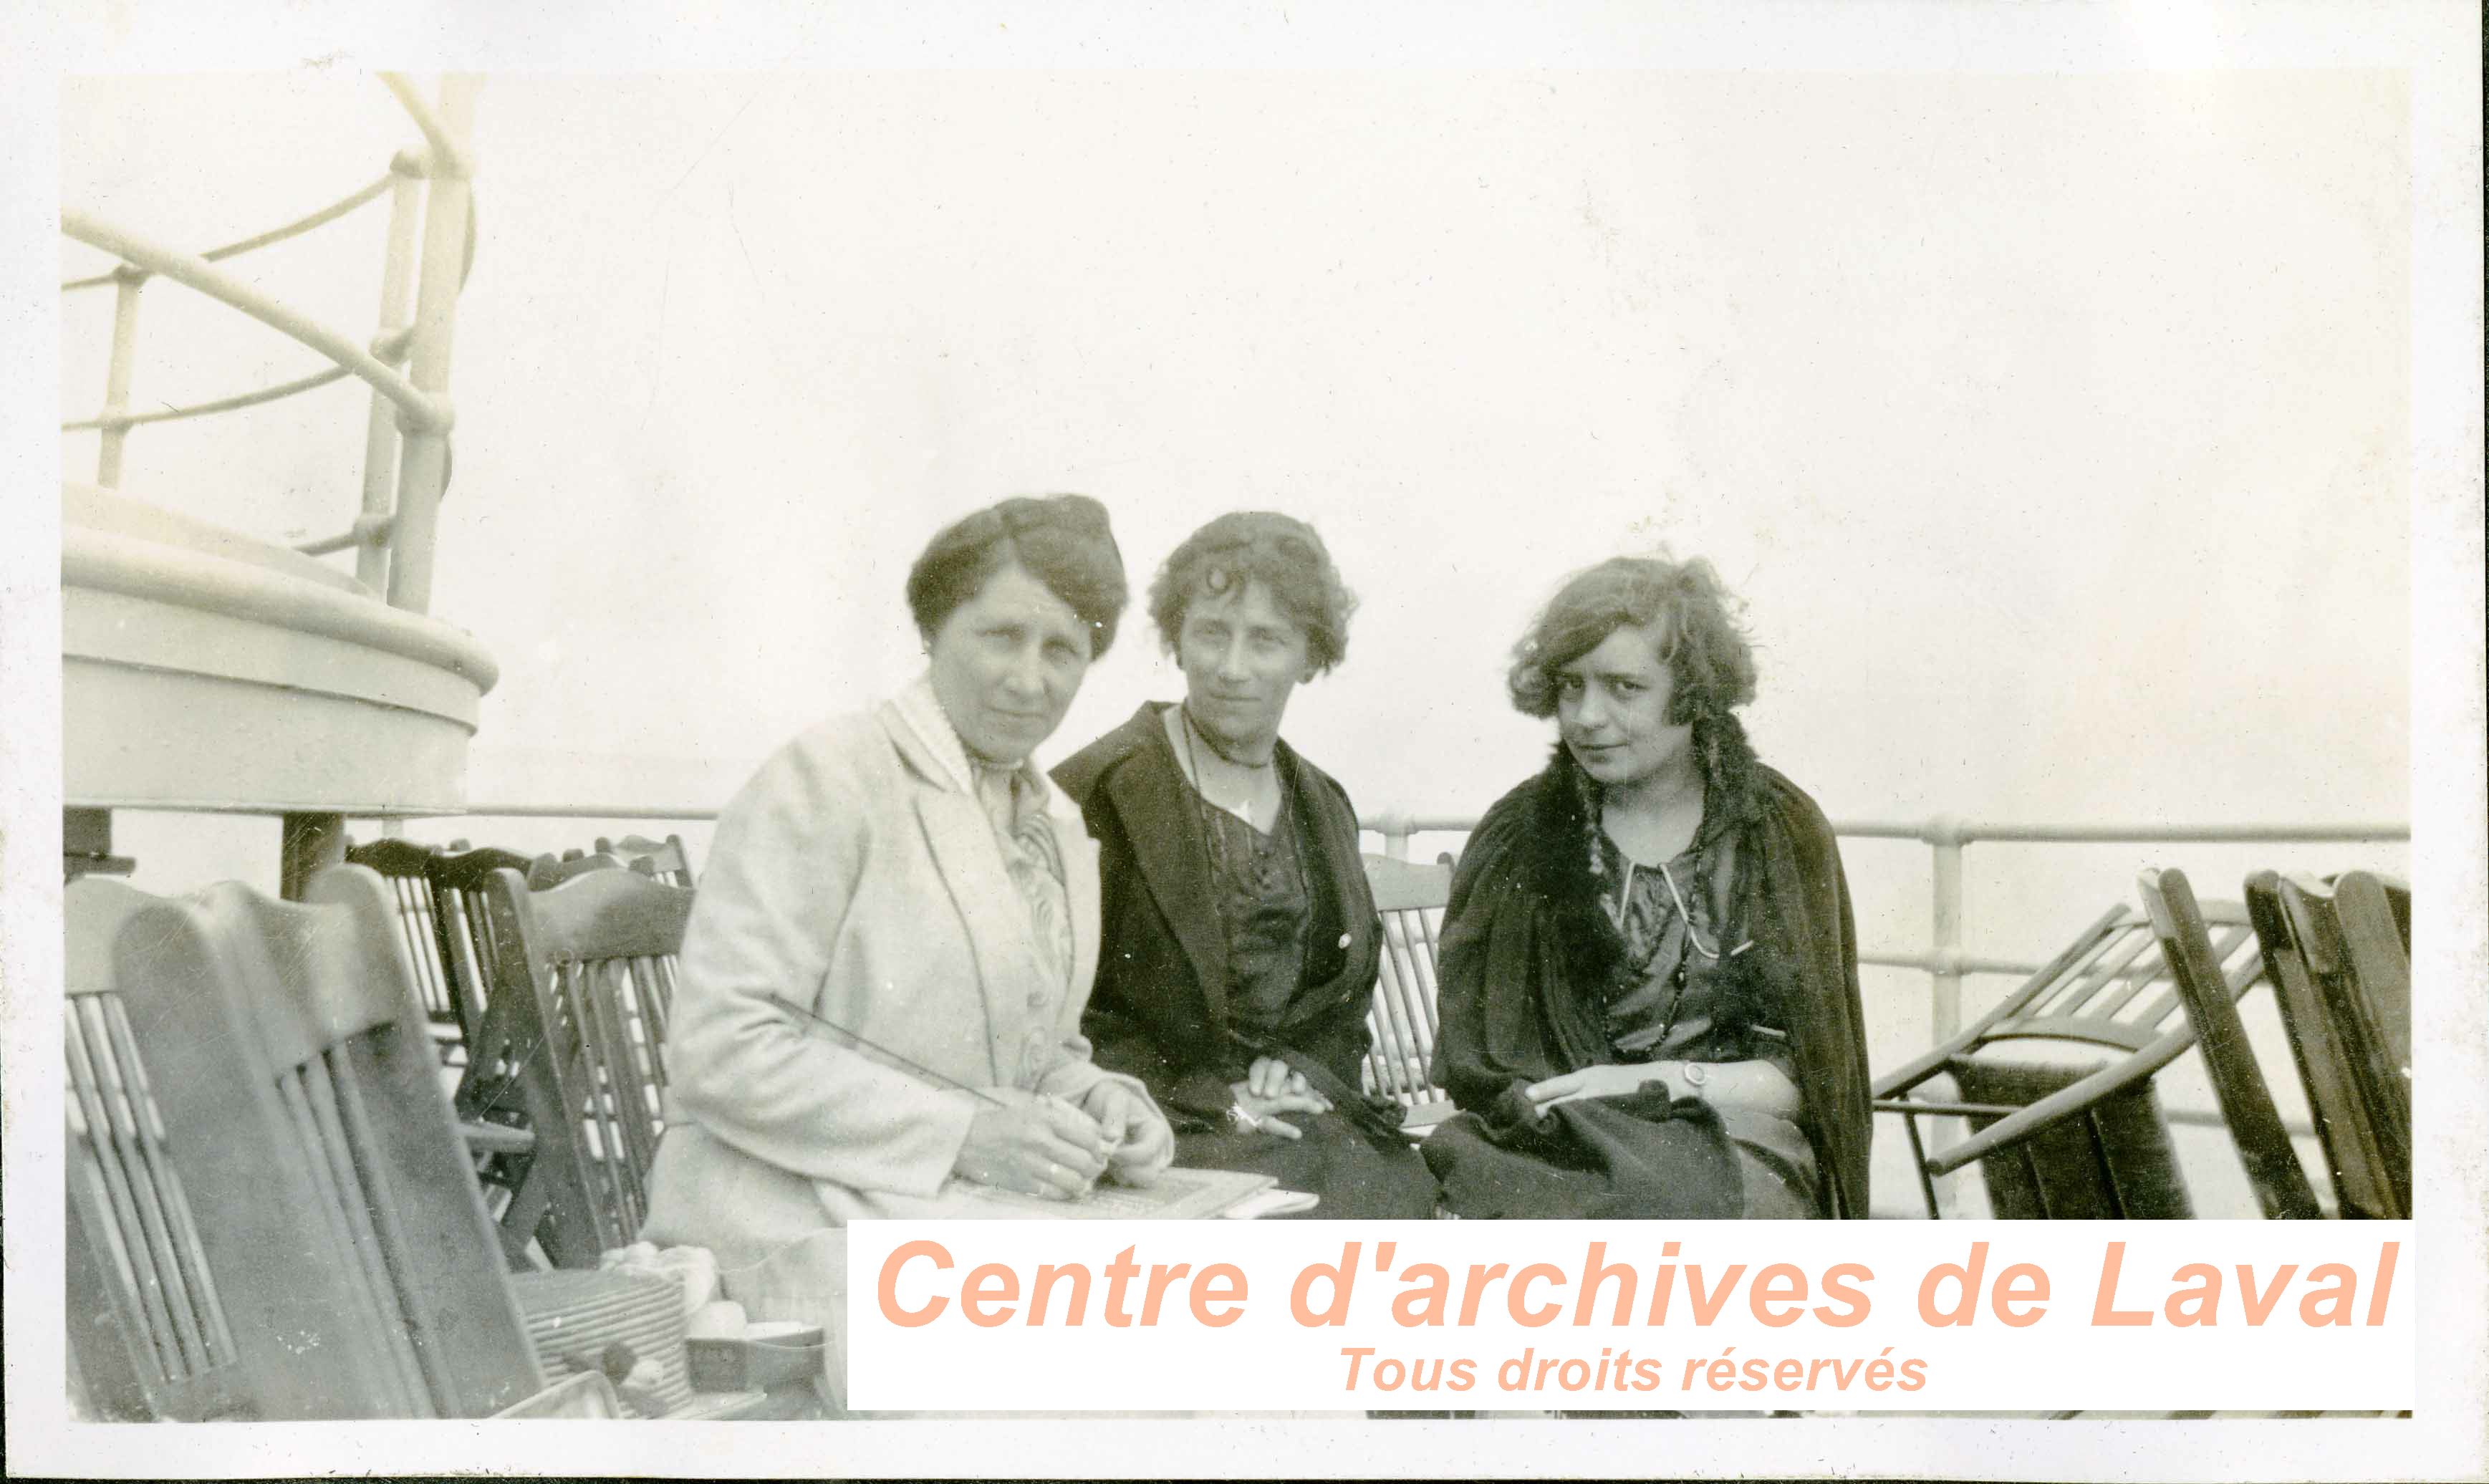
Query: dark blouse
x=1266 y=908
x=1681 y=1003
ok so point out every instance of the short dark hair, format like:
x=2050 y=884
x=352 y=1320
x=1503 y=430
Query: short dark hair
x=1062 y=540
x=1281 y=553
x=1701 y=640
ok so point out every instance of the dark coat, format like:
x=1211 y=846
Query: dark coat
x=1159 y=1009
x=1529 y=954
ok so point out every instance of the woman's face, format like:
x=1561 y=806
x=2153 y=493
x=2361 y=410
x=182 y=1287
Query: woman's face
x=1612 y=708
x=1007 y=663
x=1242 y=655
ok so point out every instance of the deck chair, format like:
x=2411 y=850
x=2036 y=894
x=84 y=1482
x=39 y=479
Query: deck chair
x=2080 y=1141
x=457 y=880
x=2282 y=1188
x=583 y=985
x=1400 y=1060
x=439 y=911
x=665 y=859
x=354 y=1268
x=438 y=895
x=406 y=869
x=148 y=1336
x=2342 y=976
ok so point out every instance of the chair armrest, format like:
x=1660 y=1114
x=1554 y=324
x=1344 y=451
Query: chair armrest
x=1911 y=1073
x=496 y=1139
x=1421 y=1120
x=2057 y=1107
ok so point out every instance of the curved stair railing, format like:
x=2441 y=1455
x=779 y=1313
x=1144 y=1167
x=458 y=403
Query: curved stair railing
x=406 y=451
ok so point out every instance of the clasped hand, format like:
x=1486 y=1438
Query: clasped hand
x=1041 y=1145
x=1272 y=1087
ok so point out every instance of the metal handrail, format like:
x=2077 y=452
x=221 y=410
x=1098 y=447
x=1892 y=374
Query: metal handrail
x=406 y=443
x=1943 y=960
x=389 y=348
x=277 y=394
x=422 y=412
x=449 y=157
x=268 y=239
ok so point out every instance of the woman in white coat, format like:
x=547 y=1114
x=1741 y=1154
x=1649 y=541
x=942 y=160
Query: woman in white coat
x=908 y=875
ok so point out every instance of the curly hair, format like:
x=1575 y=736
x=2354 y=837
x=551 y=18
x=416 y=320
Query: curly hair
x=1701 y=637
x=1281 y=553
x=1062 y=540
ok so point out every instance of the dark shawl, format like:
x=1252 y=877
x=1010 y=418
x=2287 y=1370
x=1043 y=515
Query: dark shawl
x=1527 y=953
x=1159 y=1011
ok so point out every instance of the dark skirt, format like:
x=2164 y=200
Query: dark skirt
x=1637 y=1157
x=1357 y=1175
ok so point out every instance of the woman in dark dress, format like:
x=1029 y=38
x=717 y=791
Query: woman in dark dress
x=1241 y=942
x=1650 y=981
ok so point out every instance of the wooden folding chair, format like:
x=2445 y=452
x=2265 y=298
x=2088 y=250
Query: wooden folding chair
x=584 y=987
x=667 y=859
x=436 y=893
x=354 y=1260
x=149 y=1338
x=2281 y=1187
x=2060 y=1141
x=406 y=868
x=457 y=880
x=1400 y=1060
x=2341 y=972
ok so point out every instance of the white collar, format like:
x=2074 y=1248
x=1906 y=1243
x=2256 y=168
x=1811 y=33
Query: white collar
x=922 y=711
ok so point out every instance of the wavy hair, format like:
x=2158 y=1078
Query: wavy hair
x=1282 y=554
x=1702 y=638
x=1062 y=540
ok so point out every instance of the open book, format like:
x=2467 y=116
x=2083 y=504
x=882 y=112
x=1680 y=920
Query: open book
x=1180 y=1196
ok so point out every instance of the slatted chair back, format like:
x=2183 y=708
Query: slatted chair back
x=587 y=971
x=149 y=1337
x=333 y=1201
x=2280 y=1184
x=438 y=893
x=667 y=859
x=2343 y=979
x=2110 y=988
x=406 y=869
x=1409 y=898
x=457 y=880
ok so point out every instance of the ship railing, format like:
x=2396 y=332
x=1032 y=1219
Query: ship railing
x=1944 y=957
x=405 y=449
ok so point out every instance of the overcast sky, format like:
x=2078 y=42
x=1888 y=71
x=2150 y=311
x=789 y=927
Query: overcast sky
x=2053 y=428
x=2059 y=428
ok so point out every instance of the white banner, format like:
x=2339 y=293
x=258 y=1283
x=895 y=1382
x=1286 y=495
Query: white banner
x=1588 y=1314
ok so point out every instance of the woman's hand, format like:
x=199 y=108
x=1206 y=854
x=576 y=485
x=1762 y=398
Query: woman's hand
x=1140 y=1144
x=1603 y=1080
x=1270 y=1076
x=1272 y=1087
x=1032 y=1144
x=1757 y=1084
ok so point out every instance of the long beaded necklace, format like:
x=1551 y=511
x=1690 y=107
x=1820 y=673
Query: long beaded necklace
x=1637 y=966
x=1263 y=862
